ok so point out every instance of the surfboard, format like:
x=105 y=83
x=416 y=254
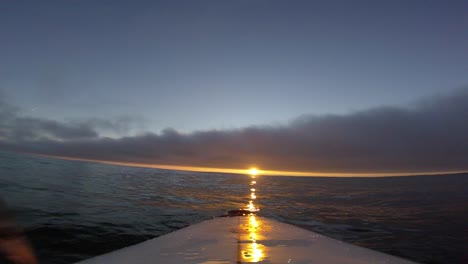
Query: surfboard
x=244 y=239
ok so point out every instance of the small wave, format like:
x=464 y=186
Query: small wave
x=342 y=197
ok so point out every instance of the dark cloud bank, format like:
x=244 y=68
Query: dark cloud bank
x=432 y=135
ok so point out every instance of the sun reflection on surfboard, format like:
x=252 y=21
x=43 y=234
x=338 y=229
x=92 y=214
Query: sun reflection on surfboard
x=253 y=251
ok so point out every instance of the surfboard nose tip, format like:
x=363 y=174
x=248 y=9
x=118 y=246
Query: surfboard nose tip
x=237 y=212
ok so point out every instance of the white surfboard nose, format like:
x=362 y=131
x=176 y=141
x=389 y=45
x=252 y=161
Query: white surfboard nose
x=244 y=239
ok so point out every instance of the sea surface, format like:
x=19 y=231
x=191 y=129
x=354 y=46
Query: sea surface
x=73 y=210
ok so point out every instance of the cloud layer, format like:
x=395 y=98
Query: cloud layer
x=432 y=135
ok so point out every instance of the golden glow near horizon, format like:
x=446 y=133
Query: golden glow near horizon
x=263 y=172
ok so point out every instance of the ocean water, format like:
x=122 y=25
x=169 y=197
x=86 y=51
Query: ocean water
x=73 y=210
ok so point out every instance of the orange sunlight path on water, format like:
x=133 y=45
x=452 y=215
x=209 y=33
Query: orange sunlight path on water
x=260 y=172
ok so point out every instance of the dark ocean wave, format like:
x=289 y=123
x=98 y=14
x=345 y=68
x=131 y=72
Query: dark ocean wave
x=72 y=210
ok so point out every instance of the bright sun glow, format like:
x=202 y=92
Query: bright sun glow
x=253 y=171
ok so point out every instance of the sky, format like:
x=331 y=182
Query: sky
x=316 y=86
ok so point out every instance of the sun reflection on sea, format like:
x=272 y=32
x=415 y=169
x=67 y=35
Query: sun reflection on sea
x=252 y=251
x=251 y=207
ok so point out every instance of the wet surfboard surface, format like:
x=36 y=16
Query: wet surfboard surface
x=243 y=239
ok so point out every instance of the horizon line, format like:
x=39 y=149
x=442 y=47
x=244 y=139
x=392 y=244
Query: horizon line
x=260 y=171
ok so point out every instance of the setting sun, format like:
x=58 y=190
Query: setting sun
x=253 y=171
